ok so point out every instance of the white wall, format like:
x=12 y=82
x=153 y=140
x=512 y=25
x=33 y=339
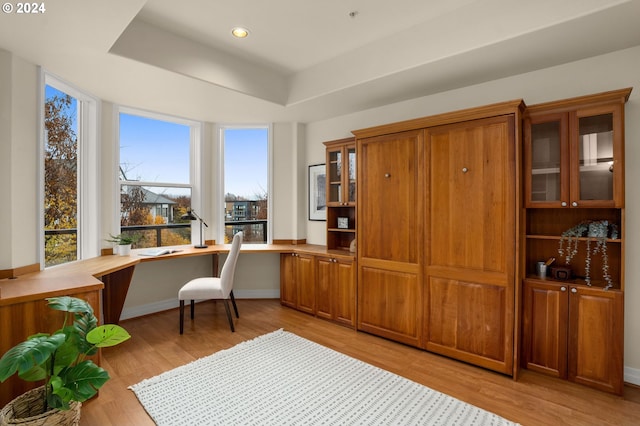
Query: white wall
x=19 y=162
x=608 y=72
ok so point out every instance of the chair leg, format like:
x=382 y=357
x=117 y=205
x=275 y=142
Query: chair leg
x=226 y=307
x=235 y=307
x=193 y=307
x=181 y=316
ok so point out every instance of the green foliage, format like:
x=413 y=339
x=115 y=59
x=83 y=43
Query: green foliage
x=122 y=239
x=59 y=358
x=60 y=179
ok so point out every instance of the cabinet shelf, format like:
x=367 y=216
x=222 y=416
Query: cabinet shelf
x=557 y=238
x=341 y=230
x=576 y=281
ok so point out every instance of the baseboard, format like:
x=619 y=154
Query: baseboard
x=632 y=375
x=165 y=305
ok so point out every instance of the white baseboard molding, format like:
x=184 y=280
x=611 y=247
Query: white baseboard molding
x=632 y=376
x=165 y=305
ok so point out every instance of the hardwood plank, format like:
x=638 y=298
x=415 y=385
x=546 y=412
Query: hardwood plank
x=156 y=346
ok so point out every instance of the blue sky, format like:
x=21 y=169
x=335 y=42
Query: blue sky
x=158 y=151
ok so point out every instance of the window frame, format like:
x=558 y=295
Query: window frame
x=220 y=201
x=196 y=129
x=88 y=186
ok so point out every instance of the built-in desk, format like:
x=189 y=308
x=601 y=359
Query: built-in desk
x=24 y=310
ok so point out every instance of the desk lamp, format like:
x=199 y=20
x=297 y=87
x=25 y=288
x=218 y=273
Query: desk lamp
x=191 y=215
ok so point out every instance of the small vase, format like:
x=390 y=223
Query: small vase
x=124 y=249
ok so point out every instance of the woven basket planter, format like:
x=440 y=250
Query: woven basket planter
x=26 y=410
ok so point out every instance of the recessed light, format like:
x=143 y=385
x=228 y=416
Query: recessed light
x=240 y=32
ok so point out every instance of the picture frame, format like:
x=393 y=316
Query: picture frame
x=318 y=192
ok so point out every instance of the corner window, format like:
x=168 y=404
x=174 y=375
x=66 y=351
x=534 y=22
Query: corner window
x=246 y=183
x=69 y=154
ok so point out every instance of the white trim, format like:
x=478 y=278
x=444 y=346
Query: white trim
x=632 y=375
x=220 y=203
x=89 y=190
x=195 y=164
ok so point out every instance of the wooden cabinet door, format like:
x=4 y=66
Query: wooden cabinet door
x=471 y=230
x=344 y=294
x=596 y=338
x=325 y=287
x=544 y=329
x=306 y=283
x=288 y=287
x=335 y=290
x=390 y=235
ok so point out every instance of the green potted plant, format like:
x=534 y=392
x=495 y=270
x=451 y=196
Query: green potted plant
x=123 y=242
x=60 y=360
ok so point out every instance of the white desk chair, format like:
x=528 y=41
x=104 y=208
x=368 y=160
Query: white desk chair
x=214 y=287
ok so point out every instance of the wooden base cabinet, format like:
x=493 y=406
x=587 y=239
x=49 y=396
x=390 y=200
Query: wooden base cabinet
x=297 y=282
x=320 y=285
x=336 y=290
x=574 y=332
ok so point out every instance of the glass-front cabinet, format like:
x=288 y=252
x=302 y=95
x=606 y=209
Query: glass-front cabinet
x=341 y=168
x=573 y=158
x=341 y=193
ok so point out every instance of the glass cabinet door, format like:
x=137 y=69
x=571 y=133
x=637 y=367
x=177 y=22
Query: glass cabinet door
x=351 y=155
x=595 y=158
x=548 y=161
x=597 y=147
x=335 y=177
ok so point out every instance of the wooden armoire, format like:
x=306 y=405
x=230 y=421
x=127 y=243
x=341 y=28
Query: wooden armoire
x=438 y=210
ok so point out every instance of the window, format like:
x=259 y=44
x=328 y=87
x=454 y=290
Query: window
x=69 y=153
x=156 y=184
x=246 y=183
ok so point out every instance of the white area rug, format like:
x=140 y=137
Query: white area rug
x=282 y=379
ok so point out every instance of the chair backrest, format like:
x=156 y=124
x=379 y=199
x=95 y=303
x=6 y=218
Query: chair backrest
x=229 y=267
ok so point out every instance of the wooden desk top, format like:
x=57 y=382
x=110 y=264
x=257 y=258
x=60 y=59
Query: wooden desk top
x=83 y=275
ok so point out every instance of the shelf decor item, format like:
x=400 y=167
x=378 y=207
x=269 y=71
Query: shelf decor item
x=571 y=237
x=596 y=230
x=343 y=223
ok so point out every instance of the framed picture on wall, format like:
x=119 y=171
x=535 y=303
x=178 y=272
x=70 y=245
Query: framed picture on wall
x=317 y=192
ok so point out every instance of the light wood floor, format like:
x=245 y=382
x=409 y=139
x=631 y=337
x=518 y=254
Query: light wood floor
x=156 y=346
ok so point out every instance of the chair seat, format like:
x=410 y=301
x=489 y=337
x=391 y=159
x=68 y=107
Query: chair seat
x=202 y=288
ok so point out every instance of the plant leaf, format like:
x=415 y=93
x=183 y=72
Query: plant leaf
x=81 y=382
x=107 y=335
x=82 y=326
x=28 y=354
x=70 y=304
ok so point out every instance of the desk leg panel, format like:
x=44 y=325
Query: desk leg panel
x=116 y=286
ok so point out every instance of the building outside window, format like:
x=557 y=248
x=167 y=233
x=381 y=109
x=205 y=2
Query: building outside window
x=156 y=187
x=246 y=183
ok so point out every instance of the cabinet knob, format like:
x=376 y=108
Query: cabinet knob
x=574 y=204
x=563 y=288
x=387 y=175
x=563 y=204
x=465 y=170
x=574 y=290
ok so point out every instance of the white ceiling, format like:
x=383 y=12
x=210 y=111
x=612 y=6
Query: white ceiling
x=305 y=60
